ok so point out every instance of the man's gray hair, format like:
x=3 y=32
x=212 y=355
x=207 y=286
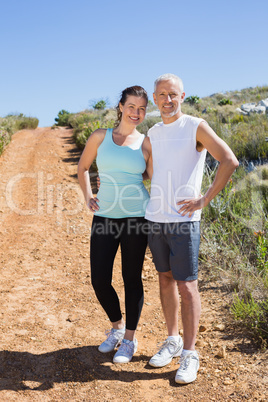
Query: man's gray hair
x=167 y=77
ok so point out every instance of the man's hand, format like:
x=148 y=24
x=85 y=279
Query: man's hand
x=189 y=206
x=92 y=204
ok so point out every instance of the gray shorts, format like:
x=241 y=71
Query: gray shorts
x=175 y=247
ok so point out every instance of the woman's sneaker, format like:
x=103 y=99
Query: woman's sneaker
x=114 y=338
x=189 y=365
x=125 y=351
x=169 y=349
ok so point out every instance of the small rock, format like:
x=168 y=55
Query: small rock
x=219 y=327
x=222 y=353
x=181 y=331
x=73 y=318
x=227 y=381
x=200 y=343
x=202 y=328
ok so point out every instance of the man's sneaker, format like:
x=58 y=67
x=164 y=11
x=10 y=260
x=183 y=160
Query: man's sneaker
x=187 y=372
x=169 y=349
x=125 y=351
x=114 y=337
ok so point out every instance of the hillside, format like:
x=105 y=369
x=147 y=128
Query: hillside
x=245 y=134
x=51 y=321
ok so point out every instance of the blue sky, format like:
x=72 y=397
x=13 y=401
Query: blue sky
x=61 y=54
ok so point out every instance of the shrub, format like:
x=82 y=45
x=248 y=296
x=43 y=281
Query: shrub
x=264 y=174
x=253 y=315
x=100 y=105
x=4 y=139
x=80 y=119
x=193 y=100
x=225 y=101
x=63 y=118
x=24 y=122
x=83 y=135
x=235 y=246
x=237 y=118
x=247 y=139
x=12 y=123
x=147 y=123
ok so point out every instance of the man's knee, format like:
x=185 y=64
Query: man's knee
x=166 y=279
x=188 y=290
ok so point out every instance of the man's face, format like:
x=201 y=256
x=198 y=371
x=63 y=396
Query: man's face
x=168 y=97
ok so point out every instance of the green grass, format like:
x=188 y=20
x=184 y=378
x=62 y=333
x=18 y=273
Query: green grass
x=234 y=247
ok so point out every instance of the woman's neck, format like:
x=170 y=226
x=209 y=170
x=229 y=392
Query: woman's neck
x=125 y=131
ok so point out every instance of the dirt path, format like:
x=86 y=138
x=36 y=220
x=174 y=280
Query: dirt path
x=51 y=323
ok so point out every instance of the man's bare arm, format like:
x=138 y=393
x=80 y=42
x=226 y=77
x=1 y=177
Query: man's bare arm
x=227 y=165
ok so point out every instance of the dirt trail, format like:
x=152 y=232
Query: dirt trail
x=51 y=322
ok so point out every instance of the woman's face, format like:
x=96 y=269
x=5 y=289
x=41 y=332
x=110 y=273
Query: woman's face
x=134 y=110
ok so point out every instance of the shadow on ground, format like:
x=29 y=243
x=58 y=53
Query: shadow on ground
x=84 y=364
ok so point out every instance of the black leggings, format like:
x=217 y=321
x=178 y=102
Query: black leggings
x=106 y=235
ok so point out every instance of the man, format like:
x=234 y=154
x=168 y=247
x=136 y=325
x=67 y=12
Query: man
x=179 y=146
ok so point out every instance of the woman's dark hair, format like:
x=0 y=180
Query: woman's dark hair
x=136 y=90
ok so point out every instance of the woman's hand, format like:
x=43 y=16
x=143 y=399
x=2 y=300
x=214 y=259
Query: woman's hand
x=92 y=204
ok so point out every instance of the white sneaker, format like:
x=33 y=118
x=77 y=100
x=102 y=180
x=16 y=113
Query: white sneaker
x=114 y=337
x=187 y=372
x=169 y=349
x=125 y=351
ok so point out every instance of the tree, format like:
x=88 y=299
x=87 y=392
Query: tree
x=62 y=119
x=100 y=105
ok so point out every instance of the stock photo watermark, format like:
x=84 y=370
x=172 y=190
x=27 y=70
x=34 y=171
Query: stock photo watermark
x=65 y=200
x=47 y=198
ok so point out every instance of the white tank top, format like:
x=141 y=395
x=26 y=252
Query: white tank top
x=178 y=169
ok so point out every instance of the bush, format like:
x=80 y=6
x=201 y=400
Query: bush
x=147 y=123
x=265 y=174
x=63 y=118
x=237 y=118
x=80 y=119
x=247 y=139
x=225 y=101
x=12 y=123
x=82 y=136
x=193 y=100
x=100 y=105
x=4 y=139
x=235 y=245
x=252 y=315
x=24 y=122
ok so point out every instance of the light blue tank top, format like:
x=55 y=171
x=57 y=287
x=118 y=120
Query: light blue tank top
x=122 y=193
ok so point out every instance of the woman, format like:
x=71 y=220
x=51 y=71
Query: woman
x=121 y=154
